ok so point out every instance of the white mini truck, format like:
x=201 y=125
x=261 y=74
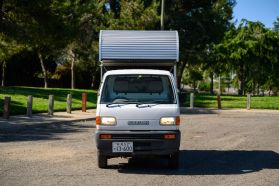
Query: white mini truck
x=138 y=108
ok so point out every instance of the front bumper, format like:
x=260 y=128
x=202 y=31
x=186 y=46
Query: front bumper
x=146 y=143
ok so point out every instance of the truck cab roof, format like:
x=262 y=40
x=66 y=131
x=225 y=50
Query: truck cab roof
x=137 y=71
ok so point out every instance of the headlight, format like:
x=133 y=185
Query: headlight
x=167 y=121
x=108 y=121
x=170 y=120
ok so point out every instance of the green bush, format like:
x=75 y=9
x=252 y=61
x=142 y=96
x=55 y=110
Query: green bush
x=204 y=86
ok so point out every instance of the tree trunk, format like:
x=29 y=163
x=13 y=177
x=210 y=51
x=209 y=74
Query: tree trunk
x=1 y=11
x=92 y=80
x=72 y=74
x=194 y=86
x=72 y=55
x=269 y=91
x=254 y=87
x=211 y=75
x=4 y=64
x=180 y=73
x=242 y=79
x=43 y=68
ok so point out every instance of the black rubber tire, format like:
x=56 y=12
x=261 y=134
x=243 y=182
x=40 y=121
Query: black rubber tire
x=174 y=160
x=102 y=161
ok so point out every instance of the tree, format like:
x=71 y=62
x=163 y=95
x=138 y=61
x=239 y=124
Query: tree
x=276 y=24
x=81 y=18
x=193 y=76
x=270 y=57
x=37 y=26
x=251 y=51
x=129 y=15
x=8 y=48
x=199 y=23
x=69 y=29
x=85 y=19
x=215 y=62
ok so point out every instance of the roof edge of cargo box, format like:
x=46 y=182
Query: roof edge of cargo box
x=131 y=47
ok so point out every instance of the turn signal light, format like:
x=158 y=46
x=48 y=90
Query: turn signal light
x=177 y=120
x=98 y=120
x=105 y=136
x=169 y=136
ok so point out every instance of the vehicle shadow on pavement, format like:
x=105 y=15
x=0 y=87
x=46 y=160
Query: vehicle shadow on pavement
x=207 y=162
x=44 y=131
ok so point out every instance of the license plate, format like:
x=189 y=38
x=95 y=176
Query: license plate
x=122 y=147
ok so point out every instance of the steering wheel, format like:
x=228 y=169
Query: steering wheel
x=119 y=99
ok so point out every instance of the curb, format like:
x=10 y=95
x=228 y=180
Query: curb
x=196 y=110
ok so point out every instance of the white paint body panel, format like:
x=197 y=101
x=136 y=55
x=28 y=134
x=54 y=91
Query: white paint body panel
x=130 y=112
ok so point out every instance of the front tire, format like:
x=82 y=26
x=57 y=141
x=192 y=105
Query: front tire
x=102 y=160
x=174 y=160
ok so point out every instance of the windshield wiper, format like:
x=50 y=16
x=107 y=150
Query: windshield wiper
x=152 y=102
x=114 y=104
x=122 y=102
x=138 y=103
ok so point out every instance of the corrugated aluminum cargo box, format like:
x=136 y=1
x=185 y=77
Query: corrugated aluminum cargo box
x=122 y=46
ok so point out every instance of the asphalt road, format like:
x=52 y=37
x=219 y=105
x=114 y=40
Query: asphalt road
x=232 y=148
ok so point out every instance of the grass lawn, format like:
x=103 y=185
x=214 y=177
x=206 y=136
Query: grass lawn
x=40 y=98
x=233 y=101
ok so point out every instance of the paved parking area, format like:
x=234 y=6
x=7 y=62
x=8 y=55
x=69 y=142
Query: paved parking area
x=231 y=148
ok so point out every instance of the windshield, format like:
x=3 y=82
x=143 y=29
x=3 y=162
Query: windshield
x=140 y=88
